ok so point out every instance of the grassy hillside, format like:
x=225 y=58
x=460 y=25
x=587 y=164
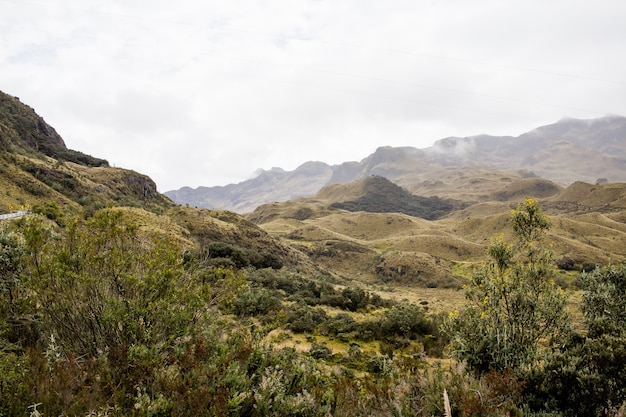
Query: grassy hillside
x=408 y=250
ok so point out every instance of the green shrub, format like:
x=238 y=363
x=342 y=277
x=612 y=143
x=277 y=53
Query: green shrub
x=255 y=301
x=320 y=351
x=304 y=319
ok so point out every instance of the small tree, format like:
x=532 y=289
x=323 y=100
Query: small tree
x=515 y=307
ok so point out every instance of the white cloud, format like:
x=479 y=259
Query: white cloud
x=206 y=92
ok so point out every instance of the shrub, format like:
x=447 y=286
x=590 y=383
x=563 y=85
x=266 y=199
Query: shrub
x=304 y=319
x=320 y=351
x=341 y=323
x=255 y=301
x=565 y=263
x=589 y=266
x=586 y=375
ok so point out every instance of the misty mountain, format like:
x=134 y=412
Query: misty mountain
x=564 y=152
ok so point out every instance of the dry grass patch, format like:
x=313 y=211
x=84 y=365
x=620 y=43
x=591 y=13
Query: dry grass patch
x=443 y=246
x=155 y=224
x=436 y=300
x=372 y=226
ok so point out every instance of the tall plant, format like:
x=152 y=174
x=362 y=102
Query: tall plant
x=515 y=308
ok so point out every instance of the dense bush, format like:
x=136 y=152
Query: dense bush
x=255 y=301
x=242 y=257
x=304 y=319
x=587 y=376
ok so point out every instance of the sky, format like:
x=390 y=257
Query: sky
x=207 y=92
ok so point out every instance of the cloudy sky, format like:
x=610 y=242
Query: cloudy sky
x=205 y=92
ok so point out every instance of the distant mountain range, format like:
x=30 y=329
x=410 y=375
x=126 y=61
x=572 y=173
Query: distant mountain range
x=564 y=152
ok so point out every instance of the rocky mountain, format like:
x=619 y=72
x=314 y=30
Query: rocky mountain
x=564 y=152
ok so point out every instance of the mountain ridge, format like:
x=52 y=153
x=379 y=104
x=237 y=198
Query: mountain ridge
x=564 y=152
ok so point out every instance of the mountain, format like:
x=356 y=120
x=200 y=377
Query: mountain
x=564 y=152
x=273 y=185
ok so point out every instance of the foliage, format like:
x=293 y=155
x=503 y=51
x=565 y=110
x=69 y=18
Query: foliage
x=492 y=394
x=516 y=311
x=103 y=317
x=11 y=253
x=242 y=257
x=586 y=376
x=256 y=301
x=604 y=304
x=51 y=210
x=102 y=284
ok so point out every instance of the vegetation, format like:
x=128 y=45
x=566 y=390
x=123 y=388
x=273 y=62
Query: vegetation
x=516 y=311
x=102 y=317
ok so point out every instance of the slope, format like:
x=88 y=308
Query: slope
x=36 y=167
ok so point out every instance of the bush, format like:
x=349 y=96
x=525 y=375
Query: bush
x=406 y=320
x=587 y=375
x=341 y=323
x=255 y=301
x=589 y=266
x=304 y=319
x=320 y=351
x=516 y=312
x=565 y=263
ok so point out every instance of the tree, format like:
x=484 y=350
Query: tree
x=515 y=311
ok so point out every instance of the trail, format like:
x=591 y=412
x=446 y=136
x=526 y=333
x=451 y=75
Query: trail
x=13 y=215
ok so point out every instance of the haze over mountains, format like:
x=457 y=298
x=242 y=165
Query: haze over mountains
x=564 y=152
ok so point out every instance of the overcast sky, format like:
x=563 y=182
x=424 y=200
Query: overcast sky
x=205 y=92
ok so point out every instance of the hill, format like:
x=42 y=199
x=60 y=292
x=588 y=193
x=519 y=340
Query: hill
x=38 y=170
x=379 y=195
x=369 y=230
x=36 y=167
